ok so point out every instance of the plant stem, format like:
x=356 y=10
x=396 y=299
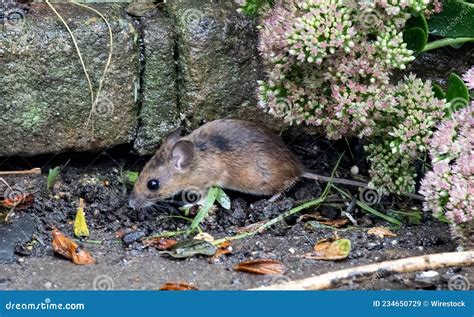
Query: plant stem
x=109 y=59
x=445 y=42
x=273 y=221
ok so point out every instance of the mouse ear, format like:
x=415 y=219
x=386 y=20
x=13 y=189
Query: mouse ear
x=172 y=137
x=182 y=153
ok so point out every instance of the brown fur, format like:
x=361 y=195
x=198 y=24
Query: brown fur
x=232 y=154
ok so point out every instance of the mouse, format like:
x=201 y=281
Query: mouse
x=231 y=154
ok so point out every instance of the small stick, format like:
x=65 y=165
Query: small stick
x=412 y=264
x=33 y=171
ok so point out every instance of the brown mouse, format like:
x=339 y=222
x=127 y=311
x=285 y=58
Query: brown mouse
x=231 y=154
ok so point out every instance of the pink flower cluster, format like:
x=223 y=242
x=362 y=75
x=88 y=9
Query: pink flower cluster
x=404 y=129
x=329 y=64
x=449 y=188
x=469 y=78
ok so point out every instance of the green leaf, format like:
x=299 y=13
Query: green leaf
x=415 y=38
x=223 y=199
x=441 y=217
x=255 y=7
x=417 y=21
x=130 y=177
x=438 y=91
x=456 y=89
x=53 y=175
x=456 y=20
x=204 y=210
x=371 y=210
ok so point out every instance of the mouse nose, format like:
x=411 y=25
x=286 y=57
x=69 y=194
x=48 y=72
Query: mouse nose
x=132 y=203
x=135 y=202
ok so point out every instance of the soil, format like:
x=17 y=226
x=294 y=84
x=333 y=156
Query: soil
x=117 y=231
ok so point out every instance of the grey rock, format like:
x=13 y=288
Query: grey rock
x=45 y=99
x=11 y=234
x=159 y=107
x=218 y=61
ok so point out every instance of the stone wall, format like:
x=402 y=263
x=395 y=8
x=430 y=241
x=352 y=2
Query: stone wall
x=189 y=62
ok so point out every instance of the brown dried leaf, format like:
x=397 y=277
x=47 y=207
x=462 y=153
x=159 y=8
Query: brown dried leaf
x=19 y=202
x=337 y=223
x=381 y=232
x=70 y=249
x=119 y=234
x=204 y=236
x=262 y=266
x=224 y=248
x=177 y=287
x=249 y=228
x=330 y=249
x=160 y=243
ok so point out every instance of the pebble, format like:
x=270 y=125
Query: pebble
x=354 y=170
x=48 y=285
x=132 y=237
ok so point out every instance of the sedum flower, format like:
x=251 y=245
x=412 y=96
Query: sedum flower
x=449 y=188
x=406 y=128
x=330 y=63
x=320 y=28
x=469 y=78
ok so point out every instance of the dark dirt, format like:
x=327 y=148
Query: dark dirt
x=117 y=232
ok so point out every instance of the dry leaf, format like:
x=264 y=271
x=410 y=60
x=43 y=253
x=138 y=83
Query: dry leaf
x=80 y=224
x=381 y=232
x=70 y=249
x=204 y=236
x=177 y=287
x=337 y=223
x=249 y=228
x=18 y=202
x=119 y=234
x=330 y=249
x=160 y=243
x=262 y=266
x=224 y=248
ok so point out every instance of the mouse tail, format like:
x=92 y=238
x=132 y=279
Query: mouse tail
x=336 y=180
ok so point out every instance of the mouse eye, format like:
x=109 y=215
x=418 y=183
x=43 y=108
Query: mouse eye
x=153 y=184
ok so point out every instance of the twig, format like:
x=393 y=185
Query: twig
x=412 y=264
x=33 y=171
x=286 y=214
x=94 y=100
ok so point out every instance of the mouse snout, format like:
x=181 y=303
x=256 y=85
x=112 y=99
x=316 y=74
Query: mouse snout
x=136 y=202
